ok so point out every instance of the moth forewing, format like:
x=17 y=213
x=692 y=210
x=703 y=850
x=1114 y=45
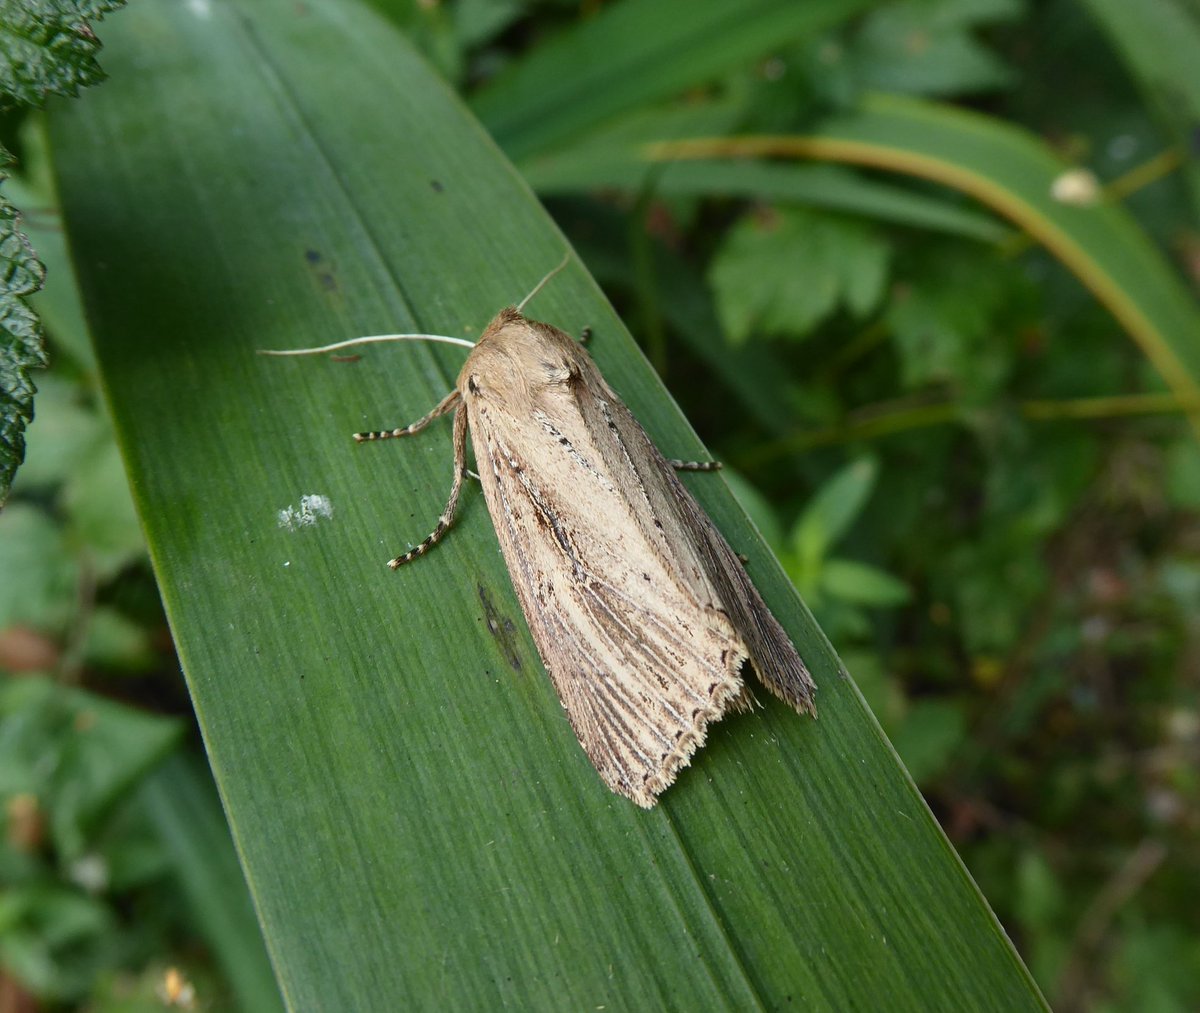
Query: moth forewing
x=639 y=608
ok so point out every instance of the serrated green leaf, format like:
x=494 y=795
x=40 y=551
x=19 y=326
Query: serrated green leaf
x=47 y=47
x=783 y=271
x=21 y=344
x=61 y=438
x=417 y=823
x=57 y=302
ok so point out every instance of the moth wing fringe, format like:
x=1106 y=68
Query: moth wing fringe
x=727 y=698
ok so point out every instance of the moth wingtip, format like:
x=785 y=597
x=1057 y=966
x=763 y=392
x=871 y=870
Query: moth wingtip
x=802 y=703
x=728 y=696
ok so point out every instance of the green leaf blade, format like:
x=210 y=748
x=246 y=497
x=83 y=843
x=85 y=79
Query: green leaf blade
x=417 y=823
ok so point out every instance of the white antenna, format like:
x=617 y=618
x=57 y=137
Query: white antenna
x=370 y=339
x=443 y=338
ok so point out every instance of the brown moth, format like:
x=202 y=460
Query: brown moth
x=642 y=613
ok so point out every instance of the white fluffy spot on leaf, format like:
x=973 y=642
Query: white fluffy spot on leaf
x=312 y=507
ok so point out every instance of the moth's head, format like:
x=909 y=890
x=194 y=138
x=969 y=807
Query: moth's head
x=520 y=358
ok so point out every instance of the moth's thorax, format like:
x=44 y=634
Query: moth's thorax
x=520 y=361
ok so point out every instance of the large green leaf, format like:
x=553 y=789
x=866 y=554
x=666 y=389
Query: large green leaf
x=46 y=47
x=417 y=824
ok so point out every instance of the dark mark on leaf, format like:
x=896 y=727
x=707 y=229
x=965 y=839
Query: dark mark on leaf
x=324 y=274
x=503 y=629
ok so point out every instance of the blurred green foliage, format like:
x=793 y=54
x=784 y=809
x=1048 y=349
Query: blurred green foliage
x=898 y=394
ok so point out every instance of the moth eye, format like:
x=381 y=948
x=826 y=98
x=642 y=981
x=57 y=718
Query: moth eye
x=472 y=386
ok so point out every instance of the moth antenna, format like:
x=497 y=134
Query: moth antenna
x=369 y=339
x=541 y=284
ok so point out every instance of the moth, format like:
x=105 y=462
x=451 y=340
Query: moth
x=643 y=615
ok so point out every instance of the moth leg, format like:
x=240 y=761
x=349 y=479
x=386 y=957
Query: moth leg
x=694 y=465
x=440 y=409
x=585 y=335
x=460 y=469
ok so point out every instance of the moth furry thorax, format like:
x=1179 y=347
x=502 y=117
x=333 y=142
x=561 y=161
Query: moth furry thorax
x=642 y=613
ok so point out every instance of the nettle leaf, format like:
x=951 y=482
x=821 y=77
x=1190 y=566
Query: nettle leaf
x=47 y=47
x=782 y=271
x=929 y=49
x=21 y=344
